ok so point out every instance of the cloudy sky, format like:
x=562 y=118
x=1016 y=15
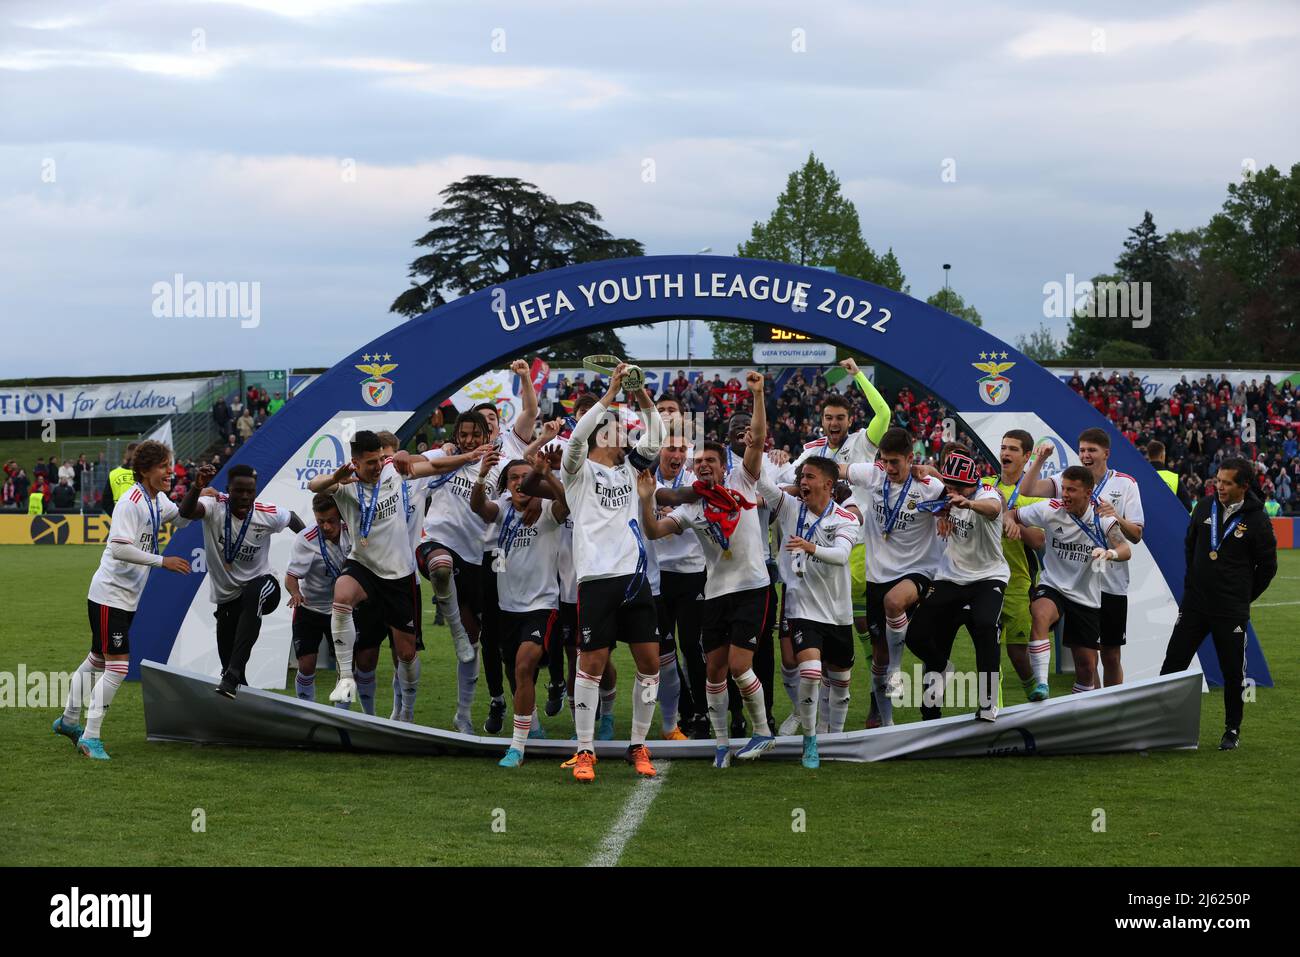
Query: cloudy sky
x=300 y=144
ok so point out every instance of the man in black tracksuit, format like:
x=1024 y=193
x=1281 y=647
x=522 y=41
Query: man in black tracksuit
x=1231 y=558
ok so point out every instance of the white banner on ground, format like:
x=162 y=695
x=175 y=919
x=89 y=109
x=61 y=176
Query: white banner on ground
x=1155 y=714
x=98 y=401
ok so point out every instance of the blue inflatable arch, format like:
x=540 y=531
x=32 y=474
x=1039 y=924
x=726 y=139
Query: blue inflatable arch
x=991 y=385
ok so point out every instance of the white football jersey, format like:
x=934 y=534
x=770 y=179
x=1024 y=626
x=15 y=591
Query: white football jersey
x=746 y=565
x=912 y=546
x=678 y=553
x=530 y=581
x=307 y=564
x=825 y=590
x=603 y=502
x=118 y=584
x=974 y=549
x=511 y=447
x=450 y=521
x=387 y=549
x=251 y=558
x=1121 y=491
x=416 y=501
x=1067 y=562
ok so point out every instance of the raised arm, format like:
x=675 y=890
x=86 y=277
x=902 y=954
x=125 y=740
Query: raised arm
x=879 y=423
x=1030 y=483
x=757 y=425
x=190 y=506
x=576 y=452
x=527 y=399
x=345 y=474
x=652 y=439
x=651 y=526
x=478 y=500
x=295 y=523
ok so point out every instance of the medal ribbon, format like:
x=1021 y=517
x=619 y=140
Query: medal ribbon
x=331 y=570
x=506 y=537
x=155 y=514
x=230 y=549
x=1215 y=537
x=803 y=516
x=1094 y=532
x=894 y=512
x=367 y=511
x=638 y=577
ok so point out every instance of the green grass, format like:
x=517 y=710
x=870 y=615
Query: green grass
x=285 y=807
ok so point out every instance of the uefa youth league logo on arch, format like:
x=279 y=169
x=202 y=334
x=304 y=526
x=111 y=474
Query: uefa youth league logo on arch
x=377 y=389
x=994 y=387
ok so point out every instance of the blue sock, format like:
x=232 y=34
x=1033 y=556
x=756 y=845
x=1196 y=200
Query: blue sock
x=366 y=690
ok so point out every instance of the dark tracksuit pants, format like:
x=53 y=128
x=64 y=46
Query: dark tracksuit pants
x=680 y=615
x=1229 y=636
x=933 y=630
x=239 y=622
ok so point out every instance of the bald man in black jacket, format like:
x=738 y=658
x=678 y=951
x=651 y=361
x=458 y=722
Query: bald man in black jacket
x=1231 y=558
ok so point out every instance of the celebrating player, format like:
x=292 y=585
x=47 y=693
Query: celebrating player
x=968 y=586
x=902 y=553
x=1080 y=543
x=609 y=555
x=527 y=580
x=736 y=595
x=131 y=550
x=1019 y=547
x=1115 y=495
x=237 y=531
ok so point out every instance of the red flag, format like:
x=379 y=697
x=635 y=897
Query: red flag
x=541 y=373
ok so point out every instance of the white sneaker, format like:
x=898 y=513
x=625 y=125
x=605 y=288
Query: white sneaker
x=987 y=714
x=790 y=726
x=462 y=724
x=344 y=691
x=465 y=650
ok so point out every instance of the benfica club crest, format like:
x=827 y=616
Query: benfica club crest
x=994 y=387
x=377 y=389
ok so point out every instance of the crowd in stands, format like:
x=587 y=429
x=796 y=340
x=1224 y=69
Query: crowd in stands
x=238 y=419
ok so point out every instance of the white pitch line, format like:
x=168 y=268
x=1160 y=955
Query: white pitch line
x=1273 y=604
x=629 y=819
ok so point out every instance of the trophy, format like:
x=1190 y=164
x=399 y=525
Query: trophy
x=633 y=378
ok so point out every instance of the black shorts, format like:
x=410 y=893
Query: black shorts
x=468 y=576
x=606 y=615
x=368 y=619
x=110 y=629
x=876 y=601
x=835 y=642
x=735 y=619
x=309 y=629
x=1082 y=624
x=538 y=627
x=397 y=600
x=1114 y=620
x=568 y=624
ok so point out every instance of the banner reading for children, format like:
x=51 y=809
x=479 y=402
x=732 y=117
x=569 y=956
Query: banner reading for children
x=98 y=401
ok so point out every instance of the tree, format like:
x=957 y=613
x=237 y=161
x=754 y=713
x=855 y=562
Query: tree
x=952 y=303
x=815 y=225
x=1040 y=345
x=491 y=229
x=732 y=341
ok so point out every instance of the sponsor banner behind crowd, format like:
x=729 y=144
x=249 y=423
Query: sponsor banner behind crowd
x=98 y=401
x=1158 y=383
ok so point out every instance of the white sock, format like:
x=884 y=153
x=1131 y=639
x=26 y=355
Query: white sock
x=751 y=693
x=718 y=699
x=607 y=700
x=523 y=724
x=880 y=685
x=305 y=686
x=397 y=696
x=1077 y=689
x=366 y=690
x=824 y=707
x=345 y=638
x=896 y=638
x=790 y=682
x=409 y=674
x=643 y=706
x=839 y=682
x=466 y=682
x=810 y=680
x=670 y=691
x=1040 y=657
x=81 y=687
x=586 y=699
x=114 y=675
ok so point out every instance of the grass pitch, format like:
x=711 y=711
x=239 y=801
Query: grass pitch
x=301 y=808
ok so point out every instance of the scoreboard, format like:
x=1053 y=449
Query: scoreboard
x=774 y=345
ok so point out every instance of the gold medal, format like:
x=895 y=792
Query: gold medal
x=1214 y=555
x=363 y=543
x=911 y=504
x=726 y=553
